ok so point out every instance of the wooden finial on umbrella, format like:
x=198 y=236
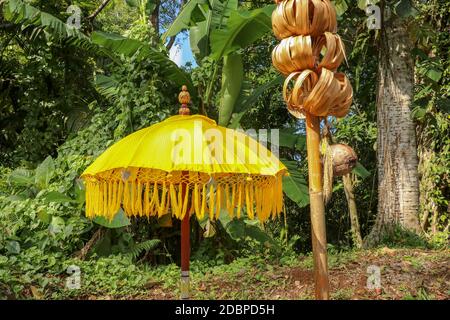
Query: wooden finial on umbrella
x=185 y=99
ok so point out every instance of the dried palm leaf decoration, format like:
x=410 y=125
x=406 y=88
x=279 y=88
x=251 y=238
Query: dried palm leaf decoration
x=309 y=54
x=301 y=52
x=303 y=17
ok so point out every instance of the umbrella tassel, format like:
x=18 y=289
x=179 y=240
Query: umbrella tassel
x=146 y=199
x=258 y=199
x=126 y=198
x=166 y=202
x=88 y=200
x=273 y=211
x=279 y=196
x=185 y=202
x=191 y=204
x=278 y=199
x=112 y=197
x=268 y=205
x=233 y=200
x=228 y=202
x=156 y=203
x=97 y=198
x=274 y=204
x=203 y=209
x=265 y=208
x=239 y=204
x=211 y=202
x=259 y=202
x=196 y=201
x=100 y=198
x=139 y=199
x=162 y=209
x=249 y=201
x=119 y=195
x=180 y=200
x=218 y=201
x=153 y=201
x=173 y=200
x=92 y=200
x=105 y=199
x=133 y=196
x=109 y=198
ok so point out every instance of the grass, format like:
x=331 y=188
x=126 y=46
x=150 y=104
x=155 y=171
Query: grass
x=342 y=294
x=260 y=277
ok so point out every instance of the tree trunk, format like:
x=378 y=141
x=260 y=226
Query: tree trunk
x=154 y=19
x=353 y=212
x=398 y=187
x=99 y=9
x=427 y=187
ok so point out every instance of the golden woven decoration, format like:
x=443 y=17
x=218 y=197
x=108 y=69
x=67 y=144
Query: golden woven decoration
x=329 y=94
x=309 y=55
x=303 y=17
x=300 y=53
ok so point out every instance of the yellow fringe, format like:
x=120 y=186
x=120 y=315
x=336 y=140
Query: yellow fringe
x=218 y=201
x=211 y=202
x=145 y=198
x=202 y=214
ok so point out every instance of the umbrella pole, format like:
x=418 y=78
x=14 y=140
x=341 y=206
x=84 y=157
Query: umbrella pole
x=318 y=228
x=185 y=253
x=184 y=98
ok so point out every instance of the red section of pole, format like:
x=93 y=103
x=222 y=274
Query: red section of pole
x=185 y=248
x=185 y=243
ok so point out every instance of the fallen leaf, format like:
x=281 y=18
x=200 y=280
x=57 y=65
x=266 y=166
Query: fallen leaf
x=36 y=293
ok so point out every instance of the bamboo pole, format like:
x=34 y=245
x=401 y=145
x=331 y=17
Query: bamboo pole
x=318 y=228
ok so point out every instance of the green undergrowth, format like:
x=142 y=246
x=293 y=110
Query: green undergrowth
x=33 y=274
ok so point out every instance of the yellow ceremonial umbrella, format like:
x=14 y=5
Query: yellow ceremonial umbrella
x=186 y=165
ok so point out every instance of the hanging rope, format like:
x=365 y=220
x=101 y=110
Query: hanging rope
x=327 y=161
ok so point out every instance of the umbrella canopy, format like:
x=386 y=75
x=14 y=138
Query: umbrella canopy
x=185 y=164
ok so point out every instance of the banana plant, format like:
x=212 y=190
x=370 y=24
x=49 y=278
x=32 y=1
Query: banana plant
x=145 y=8
x=220 y=30
x=112 y=46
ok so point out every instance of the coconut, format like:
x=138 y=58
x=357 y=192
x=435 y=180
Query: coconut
x=344 y=159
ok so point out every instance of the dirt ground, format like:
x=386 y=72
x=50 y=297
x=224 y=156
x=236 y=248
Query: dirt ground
x=404 y=274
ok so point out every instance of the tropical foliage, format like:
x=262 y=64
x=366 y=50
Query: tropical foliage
x=67 y=94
